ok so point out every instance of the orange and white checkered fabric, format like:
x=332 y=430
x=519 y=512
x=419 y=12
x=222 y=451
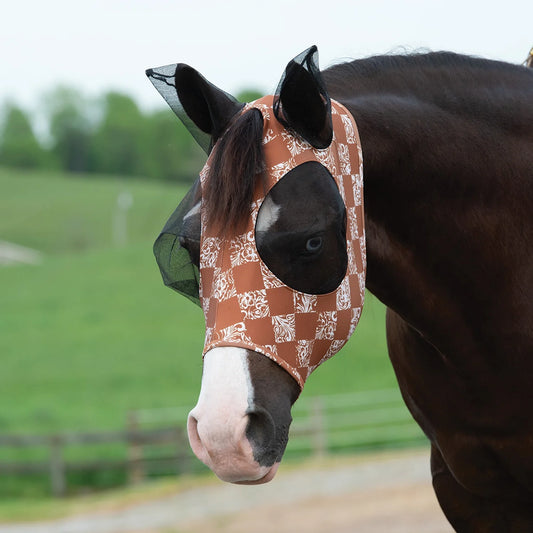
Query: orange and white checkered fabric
x=244 y=303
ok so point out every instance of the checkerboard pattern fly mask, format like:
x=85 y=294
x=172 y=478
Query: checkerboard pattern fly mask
x=244 y=303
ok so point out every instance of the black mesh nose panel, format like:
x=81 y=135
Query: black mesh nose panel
x=177 y=248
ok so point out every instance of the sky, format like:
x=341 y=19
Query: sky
x=100 y=45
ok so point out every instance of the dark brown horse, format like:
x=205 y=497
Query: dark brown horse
x=447 y=146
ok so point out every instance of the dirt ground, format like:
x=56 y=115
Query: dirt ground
x=403 y=509
x=378 y=493
x=392 y=495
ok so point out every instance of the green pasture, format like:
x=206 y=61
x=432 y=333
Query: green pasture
x=68 y=214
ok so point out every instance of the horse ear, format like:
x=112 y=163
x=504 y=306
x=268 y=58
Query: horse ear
x=302 y=102
x=204 y=109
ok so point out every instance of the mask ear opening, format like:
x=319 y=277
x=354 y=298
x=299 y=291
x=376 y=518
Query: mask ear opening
x=302 y=103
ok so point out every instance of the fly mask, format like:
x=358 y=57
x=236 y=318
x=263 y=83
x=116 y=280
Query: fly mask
x=245 y=304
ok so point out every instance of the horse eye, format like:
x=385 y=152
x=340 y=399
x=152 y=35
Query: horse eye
x=314 y=244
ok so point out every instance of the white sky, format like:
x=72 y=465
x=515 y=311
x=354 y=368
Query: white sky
x=97 y=45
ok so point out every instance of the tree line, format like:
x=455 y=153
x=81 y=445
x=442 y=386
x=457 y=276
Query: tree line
x=109 y=135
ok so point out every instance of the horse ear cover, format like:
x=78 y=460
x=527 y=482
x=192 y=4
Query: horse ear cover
x=302 y=103
x=204 y=109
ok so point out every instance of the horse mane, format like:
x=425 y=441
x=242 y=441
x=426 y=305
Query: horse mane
x=376 y=66
x=428 y=74
x=237 y=160
x=479 y=90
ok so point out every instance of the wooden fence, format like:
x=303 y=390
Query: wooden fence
x=328 y=424
x=352 y=422
x=134 y=462
x=321 y=425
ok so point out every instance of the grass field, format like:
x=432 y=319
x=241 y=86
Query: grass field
x=60 y=214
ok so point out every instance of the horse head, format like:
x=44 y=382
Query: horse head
x=270 y=243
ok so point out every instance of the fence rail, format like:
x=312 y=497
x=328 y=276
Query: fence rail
x=134 y=461
x=321 y=425
x=357 y=421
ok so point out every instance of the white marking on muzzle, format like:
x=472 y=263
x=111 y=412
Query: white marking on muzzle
x=217 y=425
x=226 y=381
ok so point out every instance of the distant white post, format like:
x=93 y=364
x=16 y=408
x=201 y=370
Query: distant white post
x=120 y=218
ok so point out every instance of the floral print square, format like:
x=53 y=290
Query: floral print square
x=304 y=303
x=209 y=252
x=235 y=333
x=284 y=328
x=242 y=249
x=343 y=295
x=254 y=304
x=304 y=350
x=344 y=157
x=224 y=286
x=327 y=324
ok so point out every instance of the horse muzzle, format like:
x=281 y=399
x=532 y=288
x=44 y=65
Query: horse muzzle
x=226 y=449
x=239 y=427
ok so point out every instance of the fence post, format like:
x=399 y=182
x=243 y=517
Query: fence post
x=136 y=473
x=318 y=425
x=57 y=467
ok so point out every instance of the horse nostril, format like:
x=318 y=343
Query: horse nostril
x=261 y=432
x=195 y=440
x=192 y=431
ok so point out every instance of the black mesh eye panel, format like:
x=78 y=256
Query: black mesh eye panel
x=177 y=248
x=301 y=230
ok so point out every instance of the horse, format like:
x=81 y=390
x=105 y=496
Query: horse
x=447 y=148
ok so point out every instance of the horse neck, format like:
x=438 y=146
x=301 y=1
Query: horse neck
x=440 y=240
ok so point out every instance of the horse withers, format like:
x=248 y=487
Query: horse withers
x=272 y=242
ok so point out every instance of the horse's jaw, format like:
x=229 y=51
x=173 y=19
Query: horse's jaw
x=235 y=429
